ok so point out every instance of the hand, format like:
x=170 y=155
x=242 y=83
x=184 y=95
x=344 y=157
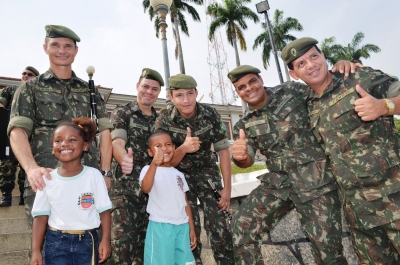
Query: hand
x=104 y=251
x=191 y=144
x=2 y=106
x=108 y=183
x=193 y=239
x=35 y=177
x=36 y=258
x=346 y=67
x=239 y=147
x=127 y=162
x=225 y=201
x=158 y=158
x=368 y=107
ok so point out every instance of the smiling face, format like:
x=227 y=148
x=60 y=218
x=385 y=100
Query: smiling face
x=250 y=88
x=147 y=91
x=68 y=144
x=312 y=68
x=27 y=74
x=165 y=145
x=61 y=51
x=185 y=101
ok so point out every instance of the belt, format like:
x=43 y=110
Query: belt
x=76 y=232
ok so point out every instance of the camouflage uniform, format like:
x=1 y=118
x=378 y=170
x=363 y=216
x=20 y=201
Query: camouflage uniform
x=129 y=216
x=299 y=177
x=40 y=104
x=8 y=167
x=365 y=160
x=198 y=167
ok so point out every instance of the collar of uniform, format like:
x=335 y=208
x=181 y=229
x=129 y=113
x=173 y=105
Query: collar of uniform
x=50 y=74
x=329 y=88
x=135 y=108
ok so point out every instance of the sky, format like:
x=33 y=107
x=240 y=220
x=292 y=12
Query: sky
x=119 y=39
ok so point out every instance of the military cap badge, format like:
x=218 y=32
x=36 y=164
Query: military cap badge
x=293 y=52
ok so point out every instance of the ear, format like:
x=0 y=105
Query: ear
x=171 y=97
x=150 y=152
x=76 y=50
x=45 y=48
x=85 y=146
x=197 y=92
x=293 y=75
x=262 y=81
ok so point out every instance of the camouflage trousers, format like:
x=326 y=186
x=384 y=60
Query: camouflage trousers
x=320 y=219
x=29 y=198
x=379 y=245
x=214 y=223
x=8 y=168
x=129 y=223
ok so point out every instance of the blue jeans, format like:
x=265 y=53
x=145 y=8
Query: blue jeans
x=66 y=249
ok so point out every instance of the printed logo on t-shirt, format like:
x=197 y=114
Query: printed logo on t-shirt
x=86 y=200
x=179 y=182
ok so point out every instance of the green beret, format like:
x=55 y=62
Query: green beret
x=297 y=48
x=33 y=70
x=57 y=31
x=182 y=81
x=153 y=75
x=241 y=71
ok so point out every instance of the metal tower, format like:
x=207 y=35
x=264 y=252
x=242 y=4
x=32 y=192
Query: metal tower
x=222 y=91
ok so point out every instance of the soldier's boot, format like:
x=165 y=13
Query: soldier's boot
x=6 y=196
x=21 y=196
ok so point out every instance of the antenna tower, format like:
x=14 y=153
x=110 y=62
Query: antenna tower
x=222 y=91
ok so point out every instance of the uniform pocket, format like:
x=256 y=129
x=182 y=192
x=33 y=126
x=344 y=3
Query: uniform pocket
x=49 y=106
x=314 y=173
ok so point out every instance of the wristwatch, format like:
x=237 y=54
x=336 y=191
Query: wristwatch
x=389 y=106
x=107 y=173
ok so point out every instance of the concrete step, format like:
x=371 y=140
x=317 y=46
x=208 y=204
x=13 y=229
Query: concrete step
x=13 y=225
x=14 y=242
x=14 y=258
x=12 y=212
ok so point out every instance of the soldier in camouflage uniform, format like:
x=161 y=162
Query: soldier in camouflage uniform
x=356 y=129
x=194 y=127
x=40 y=104
x=299 y=174
x=133 y=124
x=8 y=167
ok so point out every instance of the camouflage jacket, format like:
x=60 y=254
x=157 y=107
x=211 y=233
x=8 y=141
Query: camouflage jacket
x=280 y=130
x=208 y=126
x=7 y=95
x=41 y=103
x=364 y=155
x=131 y=125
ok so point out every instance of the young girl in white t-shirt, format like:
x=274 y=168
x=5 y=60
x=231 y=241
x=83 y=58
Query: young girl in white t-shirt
x=73 y=203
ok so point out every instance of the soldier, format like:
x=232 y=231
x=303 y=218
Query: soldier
x=133 y=124
x=42 y=103
x=185 y=119
x=356 y=129
x=299 y=174
x=8 y=167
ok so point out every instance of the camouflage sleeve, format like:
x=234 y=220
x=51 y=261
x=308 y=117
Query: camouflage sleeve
x=119 y=123
x=160 y=121
x=394 y=89
x=220 y=139
x=103 y=121
x=377 y=83
x=23 y=109
x=5 y=96
x=250 y=142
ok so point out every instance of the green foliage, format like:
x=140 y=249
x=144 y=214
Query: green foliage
x=397 y=124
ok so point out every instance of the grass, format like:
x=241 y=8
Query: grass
x=255 y=167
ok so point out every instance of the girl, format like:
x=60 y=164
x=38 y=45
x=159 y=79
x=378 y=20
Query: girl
x=73 y=203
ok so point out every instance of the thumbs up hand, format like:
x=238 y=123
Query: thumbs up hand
x=368 y=107
x=127 y=162
x=191 y=144
x=239 y=147
x=158 y=158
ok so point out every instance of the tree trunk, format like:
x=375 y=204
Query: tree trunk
x=287 y=72
x=178 y=41
x=236 y=50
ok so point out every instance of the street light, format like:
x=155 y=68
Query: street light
x=263 y=7
x=161 y=7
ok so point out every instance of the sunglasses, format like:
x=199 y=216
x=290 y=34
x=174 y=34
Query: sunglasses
x=28 y=74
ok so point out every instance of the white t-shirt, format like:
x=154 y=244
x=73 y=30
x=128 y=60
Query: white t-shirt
x=167 y=196
x=73 y=203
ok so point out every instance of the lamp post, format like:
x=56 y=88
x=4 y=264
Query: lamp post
x=161 y=7
x=263 y=7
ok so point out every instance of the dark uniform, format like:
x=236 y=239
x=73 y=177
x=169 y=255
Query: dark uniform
x=129 y=202
x=299 y=177
x=198 y=167
x=8 y=167
x=366 y=161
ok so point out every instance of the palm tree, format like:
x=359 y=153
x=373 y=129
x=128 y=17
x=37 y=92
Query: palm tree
x=352 y=51
x=232 y=14
x=280 y=31
x=178 y=20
